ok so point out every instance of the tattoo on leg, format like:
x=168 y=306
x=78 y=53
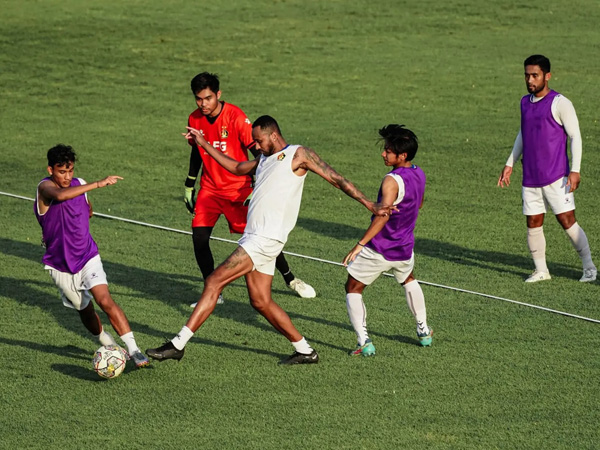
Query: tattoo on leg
x=236 y=258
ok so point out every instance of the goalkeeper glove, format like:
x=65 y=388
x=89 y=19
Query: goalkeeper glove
x=189 y=193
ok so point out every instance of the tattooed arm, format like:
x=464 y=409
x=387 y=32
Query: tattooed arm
x=306 y=159
x=232 y=165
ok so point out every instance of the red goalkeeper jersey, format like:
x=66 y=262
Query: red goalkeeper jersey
x=231 y=133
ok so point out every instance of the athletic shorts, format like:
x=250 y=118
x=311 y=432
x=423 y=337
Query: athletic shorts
x=209 y=208
x=262 y=251
x=369 y=264
x=555 y=195
x=75 y=288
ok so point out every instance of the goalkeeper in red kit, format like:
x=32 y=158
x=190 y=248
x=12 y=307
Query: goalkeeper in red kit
x=227 y=128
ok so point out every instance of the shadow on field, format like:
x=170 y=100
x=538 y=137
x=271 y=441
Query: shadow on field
x=346 y=326
x=337 y=231
x=36 y=295
x=162 y=336
x=150 y=285
x=177 y=290
x=490 y=260
x=485 y=259
x=69 y=351
x=82 y=373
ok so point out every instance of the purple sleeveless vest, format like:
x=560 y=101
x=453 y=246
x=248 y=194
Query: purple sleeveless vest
x=545 y=157
x=66 y=233
x=395 y=242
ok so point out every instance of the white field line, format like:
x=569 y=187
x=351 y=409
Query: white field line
x=312 y=258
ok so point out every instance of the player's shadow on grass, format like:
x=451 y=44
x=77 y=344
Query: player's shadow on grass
x=43 y=295
x=149 y=285
x=485 y=259
x=373 y=331
x=176 y=290
x=79 y=372
x=179 y=290
x=65 y=351
x=87 y=373
x=337 y=231
x=489 y=259
x=166 y=335
x=70 y=351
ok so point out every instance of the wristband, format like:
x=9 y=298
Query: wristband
x=190 y=182
x=358 y=243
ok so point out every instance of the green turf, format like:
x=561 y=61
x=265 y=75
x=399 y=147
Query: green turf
x=112 y=79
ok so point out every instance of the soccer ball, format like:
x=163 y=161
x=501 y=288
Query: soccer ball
x=109 y=361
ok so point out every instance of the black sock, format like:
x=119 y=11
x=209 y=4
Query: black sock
x=204 y=257
x=284 y=269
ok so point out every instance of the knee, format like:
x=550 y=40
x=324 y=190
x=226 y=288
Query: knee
x=214 y=283
x=535 y=221
x=105 y=302
x=260 y=304
x=566 y=220
x=354 y=286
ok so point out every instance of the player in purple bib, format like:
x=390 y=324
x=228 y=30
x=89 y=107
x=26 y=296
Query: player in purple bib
x=548 y=121
x=63 y=211
x=388 y=243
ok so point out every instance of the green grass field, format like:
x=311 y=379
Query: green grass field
x=112 y=80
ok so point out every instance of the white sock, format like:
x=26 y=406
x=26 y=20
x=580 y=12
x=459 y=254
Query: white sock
x=105 y=338
x=130 y=342
x=358 y=316
x=302 y=346
x=416 y=303
x=536 y=241
x=182 y=338
x=581 y=244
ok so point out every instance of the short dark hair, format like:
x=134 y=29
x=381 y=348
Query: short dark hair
x=61 y=155
x=205 y=80
x=399 y=140
x=538 y=60
x=266 y=123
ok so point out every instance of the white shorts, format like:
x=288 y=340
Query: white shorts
x=369 y=264
x=75 y=288
x=555 y=195
x=262 y=251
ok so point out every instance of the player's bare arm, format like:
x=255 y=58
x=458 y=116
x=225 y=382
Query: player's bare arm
x=306 y=158
x=49 y=190
x=573 y=181
x=229 y=164
x=389 y=191
x=504 y=179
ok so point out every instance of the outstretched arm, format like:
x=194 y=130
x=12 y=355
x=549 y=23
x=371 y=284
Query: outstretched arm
x=307 y=159
x=230 y=164
x=50 y=191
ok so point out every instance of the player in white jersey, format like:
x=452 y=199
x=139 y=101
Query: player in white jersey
x=280 y=172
